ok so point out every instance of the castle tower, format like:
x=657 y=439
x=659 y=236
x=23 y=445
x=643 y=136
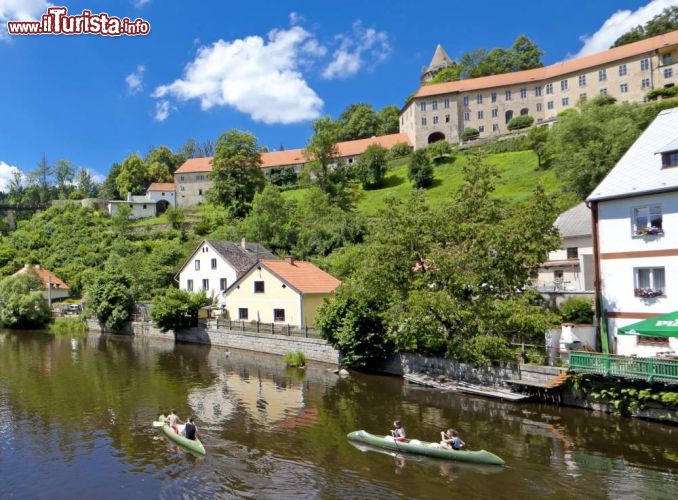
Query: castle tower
x=439 y=61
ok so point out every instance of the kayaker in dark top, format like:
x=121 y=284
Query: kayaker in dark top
x=190 y=429
x=398 y=431
x=451 y=440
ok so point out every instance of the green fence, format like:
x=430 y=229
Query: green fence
x=612 y=365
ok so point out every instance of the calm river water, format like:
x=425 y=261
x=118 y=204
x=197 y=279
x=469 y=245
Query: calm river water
x=76 y=413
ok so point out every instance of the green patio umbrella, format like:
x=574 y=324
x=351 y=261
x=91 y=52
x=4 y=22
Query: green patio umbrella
x=661 y=326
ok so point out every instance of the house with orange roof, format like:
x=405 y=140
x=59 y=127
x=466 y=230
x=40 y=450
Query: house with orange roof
x=54 y=288
x=288 y=292
x=487 y=104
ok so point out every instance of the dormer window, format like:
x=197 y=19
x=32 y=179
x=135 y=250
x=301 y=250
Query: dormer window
x=670 y=159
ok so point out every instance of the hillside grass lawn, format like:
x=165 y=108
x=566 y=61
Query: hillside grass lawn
x=519 y=176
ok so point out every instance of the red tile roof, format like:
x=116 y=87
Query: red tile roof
x=296 y=156
x=303 y=276
x=554 y=70
x=161 y=186
x=45 y=276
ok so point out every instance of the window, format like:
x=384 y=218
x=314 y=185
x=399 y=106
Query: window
x=653 y=341
x=422 y=106
x=647 y=220
x=549 y=88
x=200 y=192
x=582 y=80
x=479 y=99
x=189 y=285
x=537 y=91
x=572 y=252
x=508 y=115
x=524 y=111
x=495 y=127
x=181 y=178
x=558 y=275
x=434 y=104
x=480 y=115
x=214 y=263
x=582 y=96
x=624 y=88
x=645 y=83
x=144 y=206
x=243 y=313
x=258 y=287
x=200 y=177
x=549 y=105
x=494 y=97
x=278 y=314
x=523 y=93
x=467 y=116
x=508 y=95
x=446 y=102
x=495 y=113
x=649 y=282
x=205 y=284
x=622 y=70
x=539 y=106
x=644 y=64
x=667 y=59
x=563 y=85
x=668 y=73
x=197 y=265
x=447 y=118
x=465 y=100
x=423 y=121
x=481 y=129
x=670 y=159
x=222 y=284
x=603 y=91
x=602 y=75
x=566 y=101
x=435 y=120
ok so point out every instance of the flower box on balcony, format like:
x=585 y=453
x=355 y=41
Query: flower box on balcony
x=647 y=293
x=649 y=231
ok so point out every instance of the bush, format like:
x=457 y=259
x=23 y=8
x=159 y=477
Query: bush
x=663 y=92
x=203 y=227
x=20 y=305
x=518 y=122
x=520 y=143
x=536 y=356
x=481 y=350
x=175 y=216
x=178 y=309
x=295 y=359
x=602 y=100
x=420 y=170
x=399 y=150
x=370 y=168
x=110 y=298
x=68 y=326
x=439 y=150
x=578 y=311
x=469 y=134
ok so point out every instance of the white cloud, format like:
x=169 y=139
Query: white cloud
x=296 y=18
x=361 y=46
x=20 y=10
x=255 y=76
x=6 y=175
x=140 y=3
x=162 y=110
x=619 y=23
x=135 y=80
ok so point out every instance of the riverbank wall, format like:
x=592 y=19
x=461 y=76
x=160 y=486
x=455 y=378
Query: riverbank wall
x=317 y=350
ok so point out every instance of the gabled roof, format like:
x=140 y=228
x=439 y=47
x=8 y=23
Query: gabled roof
x=282 y=158
x=239 y=257
x=554 y=70
x=575 y=222
x=358 y=147
x=640 y=169
x=440 y=59
x=45 y=276
x=161 y=186
x=193 y=165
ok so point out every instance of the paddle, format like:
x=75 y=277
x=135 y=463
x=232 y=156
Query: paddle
x=158 y=424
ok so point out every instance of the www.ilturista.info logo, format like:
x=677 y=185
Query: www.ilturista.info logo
x=56 y=21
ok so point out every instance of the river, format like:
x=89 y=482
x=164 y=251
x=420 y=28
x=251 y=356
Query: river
x=76 y=413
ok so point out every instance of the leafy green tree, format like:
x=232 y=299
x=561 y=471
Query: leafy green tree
x=420 y=170
x=389 y=119
x=16 y=187
x=121 y=219
x=526 y=54
x=399 y=150
x=520 y=121
x=538 y=139
x=109 y=188
x=39 y=178
x=109 y=297
x=439 y=151
x=132 y=176
x=664 y=22
x=271 y=220
x=178 y=309
x=164 y=156
x=358 y=121
x=85 y=183
x=282 y=176
x=176 y=217
x=22 y=303
x=469 y=133
x=63 y=173
x=370 y=168
x=236 y=172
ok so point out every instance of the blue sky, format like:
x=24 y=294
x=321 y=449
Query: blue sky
x=94 y=100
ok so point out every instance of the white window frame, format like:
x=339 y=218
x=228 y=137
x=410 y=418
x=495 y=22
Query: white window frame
x=549 y=88
x=668 y=72
x=656 y=288
x=624 y=88
x=564 y=85
x=582 y=80
x=623 y=71
x=196 y=265
x=602 y=75
x=479 y=99
x=649 y=213
x=508 y=95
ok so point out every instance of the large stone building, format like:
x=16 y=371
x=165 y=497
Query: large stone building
x=442 y=111
x=192 y=178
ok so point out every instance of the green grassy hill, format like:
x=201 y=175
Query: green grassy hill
x=519 y=176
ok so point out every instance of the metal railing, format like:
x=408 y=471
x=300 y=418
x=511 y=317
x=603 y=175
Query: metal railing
x=259 y=327
x=612 y=365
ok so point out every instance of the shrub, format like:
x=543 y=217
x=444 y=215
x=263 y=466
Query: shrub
x=439 y=150
x=469 y=134
x=177 y=309
x=577 y=311
x=203 y=227
x=21 y=306
x=370 y=168
x=420 y=170
x=399 y=150
x=110 y=298
x=663 y=92
x=602 y=100
x=518 y=122
x=295 y=359
x=536 y=356
x=68 y=326
x=481 y=350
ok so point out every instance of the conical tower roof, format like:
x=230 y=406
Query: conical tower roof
x=440 y=59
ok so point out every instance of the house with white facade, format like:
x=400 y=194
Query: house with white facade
x=53 y=287
x=158 y=198
x=215 y=265
x=569 y=270
x=635 y=234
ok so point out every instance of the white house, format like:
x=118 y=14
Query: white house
x=215 y=265
x=54 y=288
x=569 y=270
x=635 y=218
x=158 y=198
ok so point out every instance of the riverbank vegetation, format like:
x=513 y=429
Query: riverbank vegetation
x=178 y=309
x=68 y=325
x=22 y=304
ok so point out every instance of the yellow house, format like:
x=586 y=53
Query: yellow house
x=286 y=291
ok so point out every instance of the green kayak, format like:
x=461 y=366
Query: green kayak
x=424 y=448
x=190 y=444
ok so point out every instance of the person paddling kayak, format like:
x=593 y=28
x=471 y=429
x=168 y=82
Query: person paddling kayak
x=173 y=421
x=398 y=431
x=191 y=430
x=451 y=440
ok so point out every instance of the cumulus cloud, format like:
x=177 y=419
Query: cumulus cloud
x=619 y=23
x=19 y=10
x=256 y=76
x=134 y=80
x=7 y=173
x=362 y=46
x=162 y=110
x=140 y=3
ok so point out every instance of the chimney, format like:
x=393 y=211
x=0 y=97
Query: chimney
x=289 y=259
x=243 y=243
x=129 y=195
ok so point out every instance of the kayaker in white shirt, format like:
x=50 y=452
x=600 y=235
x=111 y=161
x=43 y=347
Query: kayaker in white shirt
x=173 y=421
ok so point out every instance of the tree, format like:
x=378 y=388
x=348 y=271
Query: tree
x=85 y=183
x=16 y=186
x=176 y=217
x=40 y=178
x=664 y=22
x=63 y=173
x=132 y=176
x=121 y=219
x=324 y=168
x=469 y=133
x=164 y=156
x=420 y=170
x=236 y=172
x=371 y=166
x=538 y=139
x=178 y=309
x=520 y=121
x=526 y=54
x=109 y=188
x=22 y=303
x=358 y=121
x=270 y=221
x=110 y=298
x=389 y=119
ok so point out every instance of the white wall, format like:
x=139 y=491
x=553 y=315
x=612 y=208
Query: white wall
x=205 y=254
x=627 y=345
x=139 y=210
x=156 y=196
